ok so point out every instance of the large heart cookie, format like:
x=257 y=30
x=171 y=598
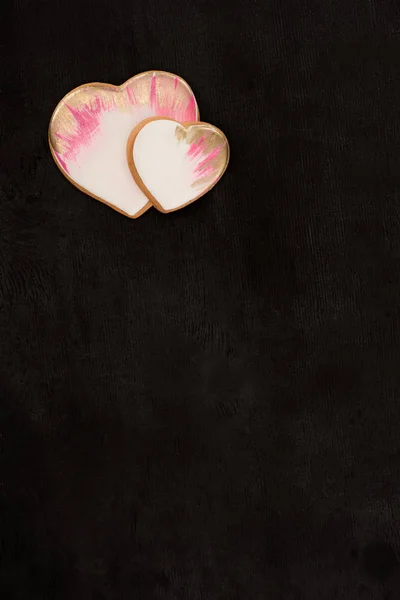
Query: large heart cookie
x=90 y=127
x=176 y=163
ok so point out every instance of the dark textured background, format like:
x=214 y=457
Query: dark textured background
x=205 y=405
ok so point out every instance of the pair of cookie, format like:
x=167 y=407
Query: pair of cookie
x=137 y=145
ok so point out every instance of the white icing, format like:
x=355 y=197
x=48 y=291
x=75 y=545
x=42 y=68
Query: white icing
x=163 y=164
x=101 y=167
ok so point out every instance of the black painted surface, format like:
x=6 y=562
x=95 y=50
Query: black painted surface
x=205 y=405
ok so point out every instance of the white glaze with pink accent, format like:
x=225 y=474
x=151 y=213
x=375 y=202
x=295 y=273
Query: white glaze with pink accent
x=91 y=125
x=178 y=164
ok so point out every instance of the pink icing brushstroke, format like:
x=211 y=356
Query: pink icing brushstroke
x=87 y=117
x=196 y=148
x=153 y=92
x=190 y=113
x=61 y=161
x=204 y=166
x=171 y=106
x=213 y=154
x=87 y=121
x=207 y=171
x=131 y=96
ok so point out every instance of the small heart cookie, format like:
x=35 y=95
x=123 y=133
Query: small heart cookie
x=90 y=128
x=176 y=163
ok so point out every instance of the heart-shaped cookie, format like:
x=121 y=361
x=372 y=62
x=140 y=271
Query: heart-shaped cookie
x=90 y=127
x=176 y=163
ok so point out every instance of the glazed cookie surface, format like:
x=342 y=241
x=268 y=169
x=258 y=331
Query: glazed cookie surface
x=175 y=163
x=90 y=127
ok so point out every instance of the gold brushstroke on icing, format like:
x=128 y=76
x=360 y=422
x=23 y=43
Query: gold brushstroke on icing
x=212 y=139
x=132 y=94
